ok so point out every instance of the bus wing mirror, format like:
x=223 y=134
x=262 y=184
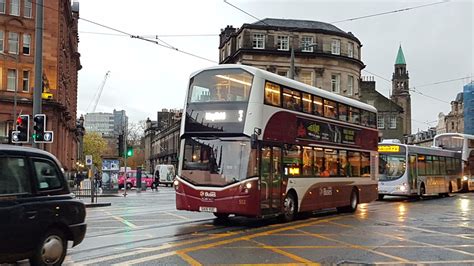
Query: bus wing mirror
x=254 y=141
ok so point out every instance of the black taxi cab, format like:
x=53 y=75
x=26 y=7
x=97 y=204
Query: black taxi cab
x=38 y=214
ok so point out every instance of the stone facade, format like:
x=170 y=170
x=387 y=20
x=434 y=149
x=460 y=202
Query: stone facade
x=390 y=115
x=324 y=55
x=60 y=69
x=454 y=120
x=421 y=138
x=162 y=139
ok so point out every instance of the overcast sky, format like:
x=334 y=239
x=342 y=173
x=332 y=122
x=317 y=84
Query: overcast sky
x=437 y=42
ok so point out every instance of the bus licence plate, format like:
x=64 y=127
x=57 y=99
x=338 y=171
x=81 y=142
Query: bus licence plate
x=207 y=209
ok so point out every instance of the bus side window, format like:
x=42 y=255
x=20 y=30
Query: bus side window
x=318 y=161
x=272 y=94
x=292 y=160
x=365 y=164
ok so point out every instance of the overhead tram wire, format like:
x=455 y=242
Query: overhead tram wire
x=136 y=36
x=166 y=45
x=152 y=35
x=390 y=12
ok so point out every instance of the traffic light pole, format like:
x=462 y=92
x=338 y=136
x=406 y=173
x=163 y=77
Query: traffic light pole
x=125 y=156
x=38 y=61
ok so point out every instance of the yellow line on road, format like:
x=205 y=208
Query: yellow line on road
x=137 y=252
x=412 y=241
x=284 y=253
x=188 y=259
x=233 y=240
x=355 y=246
x=129 y=224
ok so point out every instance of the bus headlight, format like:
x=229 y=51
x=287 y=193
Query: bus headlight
x=248 y=185
x=403 y=187
x=176 y=183
x=465 y=178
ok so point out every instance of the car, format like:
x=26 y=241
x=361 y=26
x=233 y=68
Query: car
x=132 y=179
x=38 y=213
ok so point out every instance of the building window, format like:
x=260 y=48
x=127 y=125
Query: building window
x=306 y=77
x=13 y=43
x=380 y=122
x=1 y=41
x=15 y=7
x=350 y=49
x=350 y=85
x=223 y=54
x=239 y=42
x=228 y=49
x=393 y=122
x=28 y=9
x=2 y=6
x=306 y=44
x=26 y=44
x=336 y=83
x=336 y=46
x=11 y=86
x=258 y=41
x=283 y=43
x=26 y=81
x=283 y=73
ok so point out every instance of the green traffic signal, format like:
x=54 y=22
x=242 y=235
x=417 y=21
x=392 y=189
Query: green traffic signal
x=129 y=151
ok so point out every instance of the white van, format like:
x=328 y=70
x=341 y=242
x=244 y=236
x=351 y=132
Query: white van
x=166 y=173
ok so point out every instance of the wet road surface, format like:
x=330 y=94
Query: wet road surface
x=145 y=229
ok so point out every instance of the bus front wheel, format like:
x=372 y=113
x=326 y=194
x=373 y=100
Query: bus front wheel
x=380 y=197
x=221 y=216
x=289 y=208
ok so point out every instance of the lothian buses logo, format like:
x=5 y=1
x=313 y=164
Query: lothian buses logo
x=206 y=194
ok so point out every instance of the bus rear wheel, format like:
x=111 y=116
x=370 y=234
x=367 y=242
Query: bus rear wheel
x=353 y=203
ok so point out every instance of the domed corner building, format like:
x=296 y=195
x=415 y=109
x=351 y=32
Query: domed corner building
x=324 y=55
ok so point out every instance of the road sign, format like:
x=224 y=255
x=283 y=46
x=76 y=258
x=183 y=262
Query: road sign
x=88 y=159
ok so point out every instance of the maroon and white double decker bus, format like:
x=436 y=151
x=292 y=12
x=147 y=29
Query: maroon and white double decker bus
x=257 y=144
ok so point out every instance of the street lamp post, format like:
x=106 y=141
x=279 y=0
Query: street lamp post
x=292 y=58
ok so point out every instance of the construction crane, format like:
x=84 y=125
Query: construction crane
x=98 y=94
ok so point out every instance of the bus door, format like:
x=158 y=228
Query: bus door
x=270 y=180
x=412 y=173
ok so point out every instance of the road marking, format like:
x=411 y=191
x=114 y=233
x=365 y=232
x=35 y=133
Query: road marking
x=409 y=240
x=176 y=215
x=355 y=246
x=156 y=257
x=427 y=262
x=188 y=259
x=127 y=223
x=137 y=252
x=233 y=240
x=282 y=252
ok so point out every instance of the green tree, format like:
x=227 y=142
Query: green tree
x=95 y=145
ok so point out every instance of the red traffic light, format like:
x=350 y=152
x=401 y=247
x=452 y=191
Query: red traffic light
x=19 y=120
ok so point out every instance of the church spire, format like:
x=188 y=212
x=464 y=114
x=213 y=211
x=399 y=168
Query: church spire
x=400 y=57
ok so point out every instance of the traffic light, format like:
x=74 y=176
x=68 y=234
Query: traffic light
x=40 y=135
x=120 y=145
x=39 y=127
x=129 y=151
x=22 y=133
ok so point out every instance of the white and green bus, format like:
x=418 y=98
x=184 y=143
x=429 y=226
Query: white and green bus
x=407 y=170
